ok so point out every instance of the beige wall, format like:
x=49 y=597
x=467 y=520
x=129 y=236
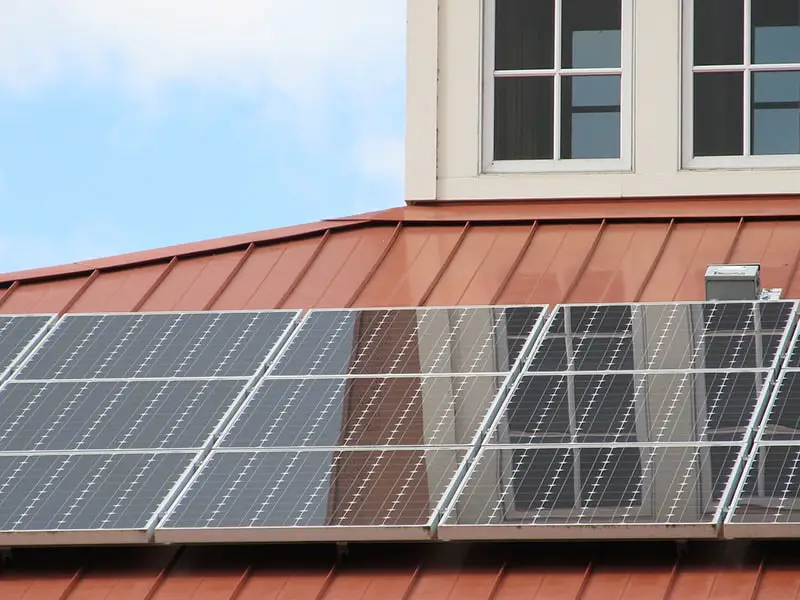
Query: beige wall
x=444 y=117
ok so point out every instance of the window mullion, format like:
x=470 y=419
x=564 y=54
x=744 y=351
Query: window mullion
x=746 y=84
x=557 y=83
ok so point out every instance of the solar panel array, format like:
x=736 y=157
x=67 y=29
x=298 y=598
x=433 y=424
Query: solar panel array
x=767 y=501
x=634 y=420
x=612 y=421
x=359 y=428
x=108 y=415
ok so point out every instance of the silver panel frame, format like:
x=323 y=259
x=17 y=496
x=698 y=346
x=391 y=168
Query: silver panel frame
x=790 y=334
x=207 y=442
x=272 y=353
x=763 y=530
x=596 y=530
x=761 y=402
x=477 y=437
x=532 y=337
x=98 y=537
x=330 y=533
x=17 y=362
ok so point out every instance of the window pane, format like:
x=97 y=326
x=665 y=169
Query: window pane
x=544 y=479
x=776 y=31
x=718 y=32
x=590 y=119
x=591 y=33
x=610 y=477
x=718 y=114
x=776 y=113
x=523 y=118
x=524 y=34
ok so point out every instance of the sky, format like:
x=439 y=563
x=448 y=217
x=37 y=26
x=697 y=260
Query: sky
x=133 y=124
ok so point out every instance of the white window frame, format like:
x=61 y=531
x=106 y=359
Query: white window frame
x=746 y=160
x=622 y=164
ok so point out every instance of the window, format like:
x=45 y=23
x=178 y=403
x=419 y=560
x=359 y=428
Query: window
x=742 y=87
x=557 y=85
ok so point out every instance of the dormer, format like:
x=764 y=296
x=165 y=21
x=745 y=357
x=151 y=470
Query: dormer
x=523 y=99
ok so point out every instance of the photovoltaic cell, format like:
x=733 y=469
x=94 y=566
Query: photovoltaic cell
x=347 y=411
x=592 y=491
x=645 y=407
x=768 y=501
x=76 y=494
x=112 y=415
x=16 y=333
x=120 y=346
x=312 y=495
x=736 y=335
x=408 y=341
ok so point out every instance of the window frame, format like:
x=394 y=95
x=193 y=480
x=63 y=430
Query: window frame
x=746 y=160
x=557 y=165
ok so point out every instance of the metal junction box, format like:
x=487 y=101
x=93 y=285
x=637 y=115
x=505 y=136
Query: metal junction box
x=733 y=282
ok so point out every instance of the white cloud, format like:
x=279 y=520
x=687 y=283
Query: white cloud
x=304 y=60
x=296 y=46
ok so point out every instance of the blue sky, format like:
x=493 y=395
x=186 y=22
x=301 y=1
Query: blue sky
x=134 y=124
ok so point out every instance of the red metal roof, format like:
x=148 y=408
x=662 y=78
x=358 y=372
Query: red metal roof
x=549 y=252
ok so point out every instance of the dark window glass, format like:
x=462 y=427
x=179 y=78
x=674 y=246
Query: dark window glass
x=721 y=458
x=604 y=407
x=718 y=106
x=523 y=118
x=540 y=408
x=590 y=117
x=591 y=33
x=610 y=477
x=524 y=34
x=718 y=32
x=595 y=319
x=776 y=31
x=545 y=479
x=776 y=113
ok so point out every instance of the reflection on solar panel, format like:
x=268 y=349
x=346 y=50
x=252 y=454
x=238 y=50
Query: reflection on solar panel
x=119 y=346
x=587 y=491
x=767 y=503
x=359 y=428
x=643 y=407
x=85 y=498
x=730 y=335
x=112 y=415
x=409 y=341
x=312 y=495
x=18 y=334
x=634 y=417
x=369 y=411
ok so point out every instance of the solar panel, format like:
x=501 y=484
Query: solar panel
x=585 y=491
x=767 y=501
x=312 y=495
x=637 y=407
x=18 y=333
x=677 y=336
x=85 y=498
x=627 y=420
x=363 y=411
x=113 y=415
x=359 y=428
x=151 y=345
x=409 y=341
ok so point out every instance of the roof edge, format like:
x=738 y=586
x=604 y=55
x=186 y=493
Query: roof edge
x=474 y=211
x=582 y=209
x=226 y=243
